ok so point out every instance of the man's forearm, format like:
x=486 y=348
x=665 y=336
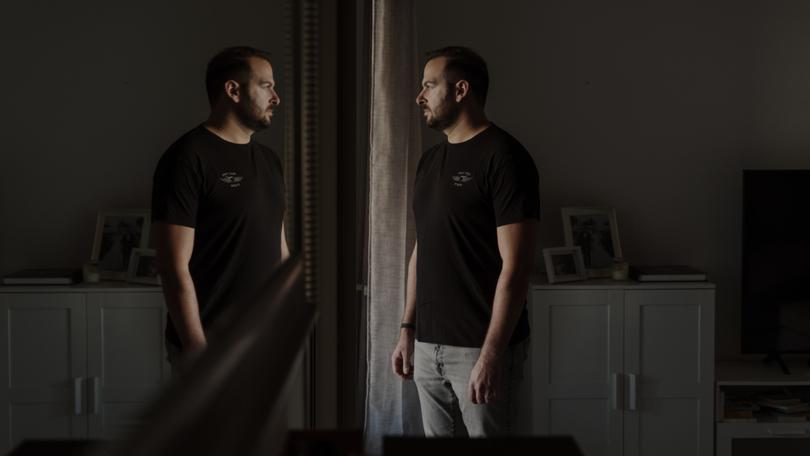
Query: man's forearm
x=409 y=314
x=184 y=311
x=510 y=295
x=285 y=249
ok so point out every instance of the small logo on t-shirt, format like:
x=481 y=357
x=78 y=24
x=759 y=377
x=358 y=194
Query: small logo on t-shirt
x=461 y=177
x=231 y=178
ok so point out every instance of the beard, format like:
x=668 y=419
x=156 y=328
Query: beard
x=253 y=116
x=445 y=115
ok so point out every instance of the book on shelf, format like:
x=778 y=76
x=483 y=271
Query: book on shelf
x=779 y=399
x=667 y=273
x=53 y=276
x=777 y=417
x=739 y=416
x=801 y=407
x=784 y=401
x=734 y=404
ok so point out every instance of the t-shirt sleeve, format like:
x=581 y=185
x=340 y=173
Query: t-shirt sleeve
x=515 y=188
x=176 y=190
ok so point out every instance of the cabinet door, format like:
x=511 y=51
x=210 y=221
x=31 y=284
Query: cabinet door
x=43 y=358
x=126 y=362
x=669 y=351
x=577 y=365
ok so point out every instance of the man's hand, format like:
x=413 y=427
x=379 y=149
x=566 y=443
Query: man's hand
x=195 y=349
x=485 y=379
x=191 y=353
x=402 y=358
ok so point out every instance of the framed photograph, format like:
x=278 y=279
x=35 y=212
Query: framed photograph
x=117 y=234
x=594 y=230
x=143 y=267
x=564 y=264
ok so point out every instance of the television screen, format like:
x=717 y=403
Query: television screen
x=776 y=261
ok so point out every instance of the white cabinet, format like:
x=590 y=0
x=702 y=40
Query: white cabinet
x=78 y=362
x=626 y=368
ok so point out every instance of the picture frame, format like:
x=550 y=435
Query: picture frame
x=143 y=267
x=117 y=234
x=564 y=264
x=595 y=231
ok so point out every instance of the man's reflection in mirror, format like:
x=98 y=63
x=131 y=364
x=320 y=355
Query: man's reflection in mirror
x=218 y=202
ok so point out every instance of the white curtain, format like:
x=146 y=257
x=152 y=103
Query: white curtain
x=392 y=406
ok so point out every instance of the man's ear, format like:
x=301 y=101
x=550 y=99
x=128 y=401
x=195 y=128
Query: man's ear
x=462 y=90
x=232 y=90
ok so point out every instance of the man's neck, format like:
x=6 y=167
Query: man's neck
x=466 y=127
x=228 y=127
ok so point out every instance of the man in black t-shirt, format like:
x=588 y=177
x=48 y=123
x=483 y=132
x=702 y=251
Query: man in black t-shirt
x=218 y=202
x=476 y=207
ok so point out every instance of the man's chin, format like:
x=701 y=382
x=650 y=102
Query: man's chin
x=262 y=124
x=434 y=124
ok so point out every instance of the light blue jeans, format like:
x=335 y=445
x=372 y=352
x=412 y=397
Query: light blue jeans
x=442 y=375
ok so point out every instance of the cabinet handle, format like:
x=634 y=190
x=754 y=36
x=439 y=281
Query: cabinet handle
x=615 y=387
x=77 y=395
x=787 y=432
x=96 y=395
x=633 y=392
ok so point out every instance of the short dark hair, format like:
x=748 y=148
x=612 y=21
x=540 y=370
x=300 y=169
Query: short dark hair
x=230 y=63
x=464 y=63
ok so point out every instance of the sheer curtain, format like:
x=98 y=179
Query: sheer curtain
x=395 y=145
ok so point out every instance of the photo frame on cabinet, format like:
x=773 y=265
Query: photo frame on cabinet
x=564 y=264
x=594 y=230
x=143 y=267
x=117 y=234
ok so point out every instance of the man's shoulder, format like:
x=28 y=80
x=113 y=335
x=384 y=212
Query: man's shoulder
x=503 y=148
x=187 y=146
x=502 y=142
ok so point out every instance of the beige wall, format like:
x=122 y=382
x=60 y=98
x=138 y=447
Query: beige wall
x=94 y=92
x=653 y=108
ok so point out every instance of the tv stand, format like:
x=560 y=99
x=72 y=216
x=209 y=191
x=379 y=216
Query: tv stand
x=777 y=357
x=735 y=378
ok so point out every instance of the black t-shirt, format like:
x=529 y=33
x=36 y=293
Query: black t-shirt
x=462 y=193
x=233 y=196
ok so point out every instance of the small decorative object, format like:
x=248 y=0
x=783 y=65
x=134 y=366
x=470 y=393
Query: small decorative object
x=117 y=233
x=143 y=267
x=564 y=264
x=621 y=270
x=90 y=272
x=594 y=230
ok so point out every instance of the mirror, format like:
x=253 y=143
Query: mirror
x=100 y=91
